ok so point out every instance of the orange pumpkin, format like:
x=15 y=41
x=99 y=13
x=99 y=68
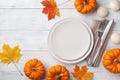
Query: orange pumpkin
x=111 y=60
x=58 y=72
x=34 y=69
x=85 y=6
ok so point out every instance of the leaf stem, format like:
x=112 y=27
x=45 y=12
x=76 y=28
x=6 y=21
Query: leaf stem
x=17 y=68
x=86 y=2
x=63 y=2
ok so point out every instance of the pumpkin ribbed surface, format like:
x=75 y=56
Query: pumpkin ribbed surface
x=85 y=6
x=111 y=60
x=58 y=72
x=34 y=69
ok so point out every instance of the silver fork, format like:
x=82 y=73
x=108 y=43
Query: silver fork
x=99 y=33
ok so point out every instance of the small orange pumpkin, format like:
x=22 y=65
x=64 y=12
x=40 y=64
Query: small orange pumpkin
x=85 y=6
x=111 y=60
x=58 y=72
x=34 y=69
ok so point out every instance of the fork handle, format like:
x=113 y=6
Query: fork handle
x=90 y=60
x=98 y=56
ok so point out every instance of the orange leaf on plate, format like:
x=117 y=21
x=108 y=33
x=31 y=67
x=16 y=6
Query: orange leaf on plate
x=50 y=9
x=81 y=73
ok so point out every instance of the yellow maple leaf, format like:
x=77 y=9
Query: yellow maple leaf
x=9 y=54
x=81 y=73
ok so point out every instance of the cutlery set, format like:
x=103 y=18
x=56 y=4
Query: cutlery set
x=102 y=34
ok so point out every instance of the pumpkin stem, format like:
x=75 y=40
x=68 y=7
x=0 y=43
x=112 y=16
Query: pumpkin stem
x=34 y=69
x=58 y=77
x=86 y=1
x=116 y=61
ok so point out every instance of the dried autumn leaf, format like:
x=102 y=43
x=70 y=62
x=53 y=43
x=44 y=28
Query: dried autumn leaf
x=9 y=54
x=81 y=73
x=88 y=76
x=50 y=9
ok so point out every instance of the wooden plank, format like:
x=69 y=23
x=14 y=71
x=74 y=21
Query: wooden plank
x=36 y=3
x=34 y=19
x=30 y=3
x=99 y=75
x=22 y=19
x=27 y=40
x=13 y=75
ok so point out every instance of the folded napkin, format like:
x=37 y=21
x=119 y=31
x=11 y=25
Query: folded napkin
x=95 y=26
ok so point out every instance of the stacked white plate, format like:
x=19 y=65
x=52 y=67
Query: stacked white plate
x=70 y=40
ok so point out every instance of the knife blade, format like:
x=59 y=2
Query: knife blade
x=96 y=59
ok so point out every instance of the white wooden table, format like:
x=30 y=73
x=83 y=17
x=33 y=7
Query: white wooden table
x=22 y=22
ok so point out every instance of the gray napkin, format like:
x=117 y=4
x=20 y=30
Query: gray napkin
x=95 y=26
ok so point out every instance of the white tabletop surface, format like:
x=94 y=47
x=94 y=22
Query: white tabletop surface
x=23 y=23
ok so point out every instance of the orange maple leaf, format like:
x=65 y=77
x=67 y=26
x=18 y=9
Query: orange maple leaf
x=81 y=73
x=50 y=9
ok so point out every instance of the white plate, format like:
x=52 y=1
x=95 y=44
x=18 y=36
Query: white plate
x=70 y=40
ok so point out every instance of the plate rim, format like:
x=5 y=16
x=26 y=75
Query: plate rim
x=78 y=59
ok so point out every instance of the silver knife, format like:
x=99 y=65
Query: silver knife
x=103 y=38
